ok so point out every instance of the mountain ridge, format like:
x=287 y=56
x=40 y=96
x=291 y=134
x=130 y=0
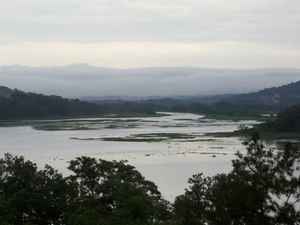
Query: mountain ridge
x=69 y=81
x=276 y=97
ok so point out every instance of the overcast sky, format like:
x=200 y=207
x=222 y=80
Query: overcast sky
x=143 y=33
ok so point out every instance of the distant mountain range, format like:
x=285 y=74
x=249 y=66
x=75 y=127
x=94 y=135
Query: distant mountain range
x=76 y=81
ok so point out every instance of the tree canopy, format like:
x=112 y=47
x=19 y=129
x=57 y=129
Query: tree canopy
x=98 y=192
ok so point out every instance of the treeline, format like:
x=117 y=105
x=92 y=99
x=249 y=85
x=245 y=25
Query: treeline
x=16 y=104
x=262 y=188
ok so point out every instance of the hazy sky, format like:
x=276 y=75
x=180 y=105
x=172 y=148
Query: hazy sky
x=140 y=33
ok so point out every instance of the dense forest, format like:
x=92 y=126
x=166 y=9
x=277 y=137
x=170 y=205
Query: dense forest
x=263 y=187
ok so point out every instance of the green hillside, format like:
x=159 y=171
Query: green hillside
x=276 y=98
x=16 y=104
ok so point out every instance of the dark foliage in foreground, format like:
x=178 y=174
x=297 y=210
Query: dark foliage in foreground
x=262 y=188
x=98 y=192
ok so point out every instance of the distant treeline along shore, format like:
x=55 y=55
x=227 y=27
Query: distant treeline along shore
x=16 y=104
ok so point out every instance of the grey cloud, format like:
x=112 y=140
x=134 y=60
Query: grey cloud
x=96 y=20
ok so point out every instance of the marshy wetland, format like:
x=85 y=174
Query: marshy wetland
x=166 y=149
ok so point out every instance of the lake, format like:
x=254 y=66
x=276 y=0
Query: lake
x=166 y=149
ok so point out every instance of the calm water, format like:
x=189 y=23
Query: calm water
x=169 y=163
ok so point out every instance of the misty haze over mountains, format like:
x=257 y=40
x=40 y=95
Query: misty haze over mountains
x=82 y=80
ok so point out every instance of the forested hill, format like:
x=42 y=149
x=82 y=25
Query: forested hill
x=16 y=104
x=278 y=98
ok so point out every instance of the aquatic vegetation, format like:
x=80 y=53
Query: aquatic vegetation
x=150 y=137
